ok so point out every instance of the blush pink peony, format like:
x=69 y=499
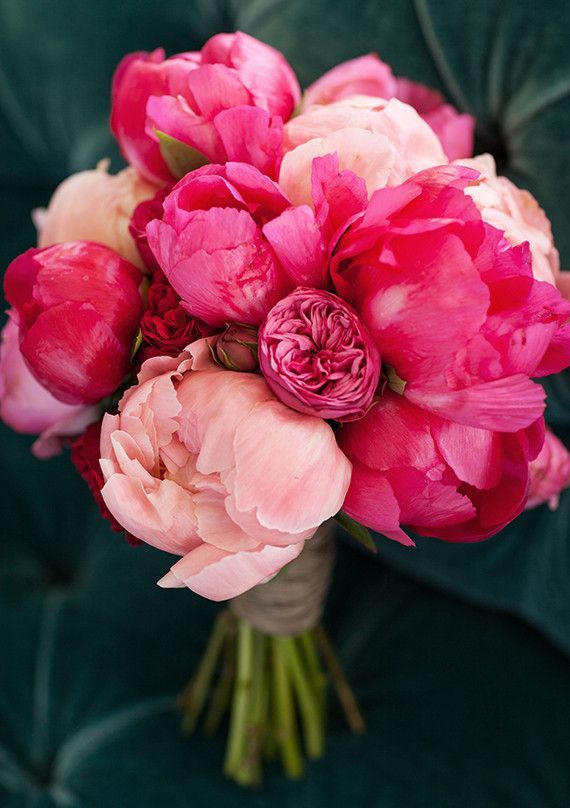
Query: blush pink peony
x=368 y=75
x=453 y=308
x=517 y=213
x=27 y=407
x=207 y=464
x=317 y=357
x=96 y=206
x=442 y=479
x=383 y=142
x=549 y=473
x=227 y=101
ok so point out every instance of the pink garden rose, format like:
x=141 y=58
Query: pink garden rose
x=549 y=473
x=383 y=142
x=231 y=245
x=440 y=478
x=96 y=206
x=368 y=75
x=317 y=357
x=27 y=407
x=227 y=101
x=517 y=213
x=208 y=465
x=78 y=306
x=453 y=308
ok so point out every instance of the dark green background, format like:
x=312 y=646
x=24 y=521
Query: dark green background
x=458 y=654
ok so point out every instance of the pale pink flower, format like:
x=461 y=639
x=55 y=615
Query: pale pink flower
x=549 y=473
x=209 y=465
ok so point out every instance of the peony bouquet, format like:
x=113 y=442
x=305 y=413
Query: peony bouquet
x=289 y=309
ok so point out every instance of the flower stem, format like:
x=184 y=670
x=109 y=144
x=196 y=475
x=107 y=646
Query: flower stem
x=222 y=693
x=352 y=712
x=241 y=700
x=193 y=699
x=286 y=728
x=308 y=643
x=307 y=698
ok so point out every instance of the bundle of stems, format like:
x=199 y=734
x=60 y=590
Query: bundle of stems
x=274 y=688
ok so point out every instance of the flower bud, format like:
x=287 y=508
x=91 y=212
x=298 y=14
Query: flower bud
x=236 y=348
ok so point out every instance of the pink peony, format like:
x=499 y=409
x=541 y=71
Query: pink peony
x=231 y=245
x=207 y=464
x=228 y=102
x=383 y=142
x=453 y=308
x=440 y=478
x=317 y=357
x=549 y=473
x=96 y=206
x=78 y=307
x=144 y=213
x=27 y=407
x=368 y=75
x=517 y=213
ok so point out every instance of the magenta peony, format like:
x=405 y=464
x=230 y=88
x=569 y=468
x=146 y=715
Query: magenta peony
x=317 y=357
x=453 y=308
x=206 y=464
x=549 y=473
x=227 y=101
x=78 y=308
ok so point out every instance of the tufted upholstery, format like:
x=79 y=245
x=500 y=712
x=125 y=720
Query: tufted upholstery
x=459 y=654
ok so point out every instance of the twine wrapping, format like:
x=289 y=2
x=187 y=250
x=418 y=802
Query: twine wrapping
x=293 y=601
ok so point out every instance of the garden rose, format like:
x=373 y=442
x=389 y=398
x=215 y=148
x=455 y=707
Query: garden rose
x=227 y=101
x=78 y=307
x=517 y=213
x=453 y=308
x=549 y=473
x=441 y=479
x=205 y=463
x=231 y=245
x=317 y=357
x=96 y=206
x=27 y=407
x=368 y=75
x=384 y=142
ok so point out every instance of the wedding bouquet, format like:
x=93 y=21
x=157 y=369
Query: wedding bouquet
x=289 y=309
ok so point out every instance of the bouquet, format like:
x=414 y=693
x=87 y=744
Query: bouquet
x=288 y=310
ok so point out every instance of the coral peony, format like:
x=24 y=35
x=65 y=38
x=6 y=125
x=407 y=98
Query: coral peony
x=517 y=213
x=317 y=357
x=549 y=473
x=28 y=407
x=454 y=309
x=384 y=142
x=228 y=102
x=96 y=206
x=442 y=479
x=206 y=464
x=78 y=307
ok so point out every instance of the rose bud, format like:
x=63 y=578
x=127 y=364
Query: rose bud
x=549 y=473
x=317 y=357
x=236 y=348
x=78 y=306
x=95 y=206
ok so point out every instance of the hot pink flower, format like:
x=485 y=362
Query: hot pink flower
x=368 y=75
x=317 y=357
x=205 y=463
x=144 y=213
x=78 y=307
x=442 y=479
x=517 y=213
x=231 y=245
x=549 y=473
x=27 y=407
x=453 y=308
x=96 y=206
x=228 y=101
x=383 y=142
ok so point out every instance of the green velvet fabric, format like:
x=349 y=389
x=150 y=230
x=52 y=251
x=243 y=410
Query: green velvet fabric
x=458 y=654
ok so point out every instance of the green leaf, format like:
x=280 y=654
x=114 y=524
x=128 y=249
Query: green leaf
x=394 y=382
x=356 y=530
x=179 y=157
x=136 y=344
